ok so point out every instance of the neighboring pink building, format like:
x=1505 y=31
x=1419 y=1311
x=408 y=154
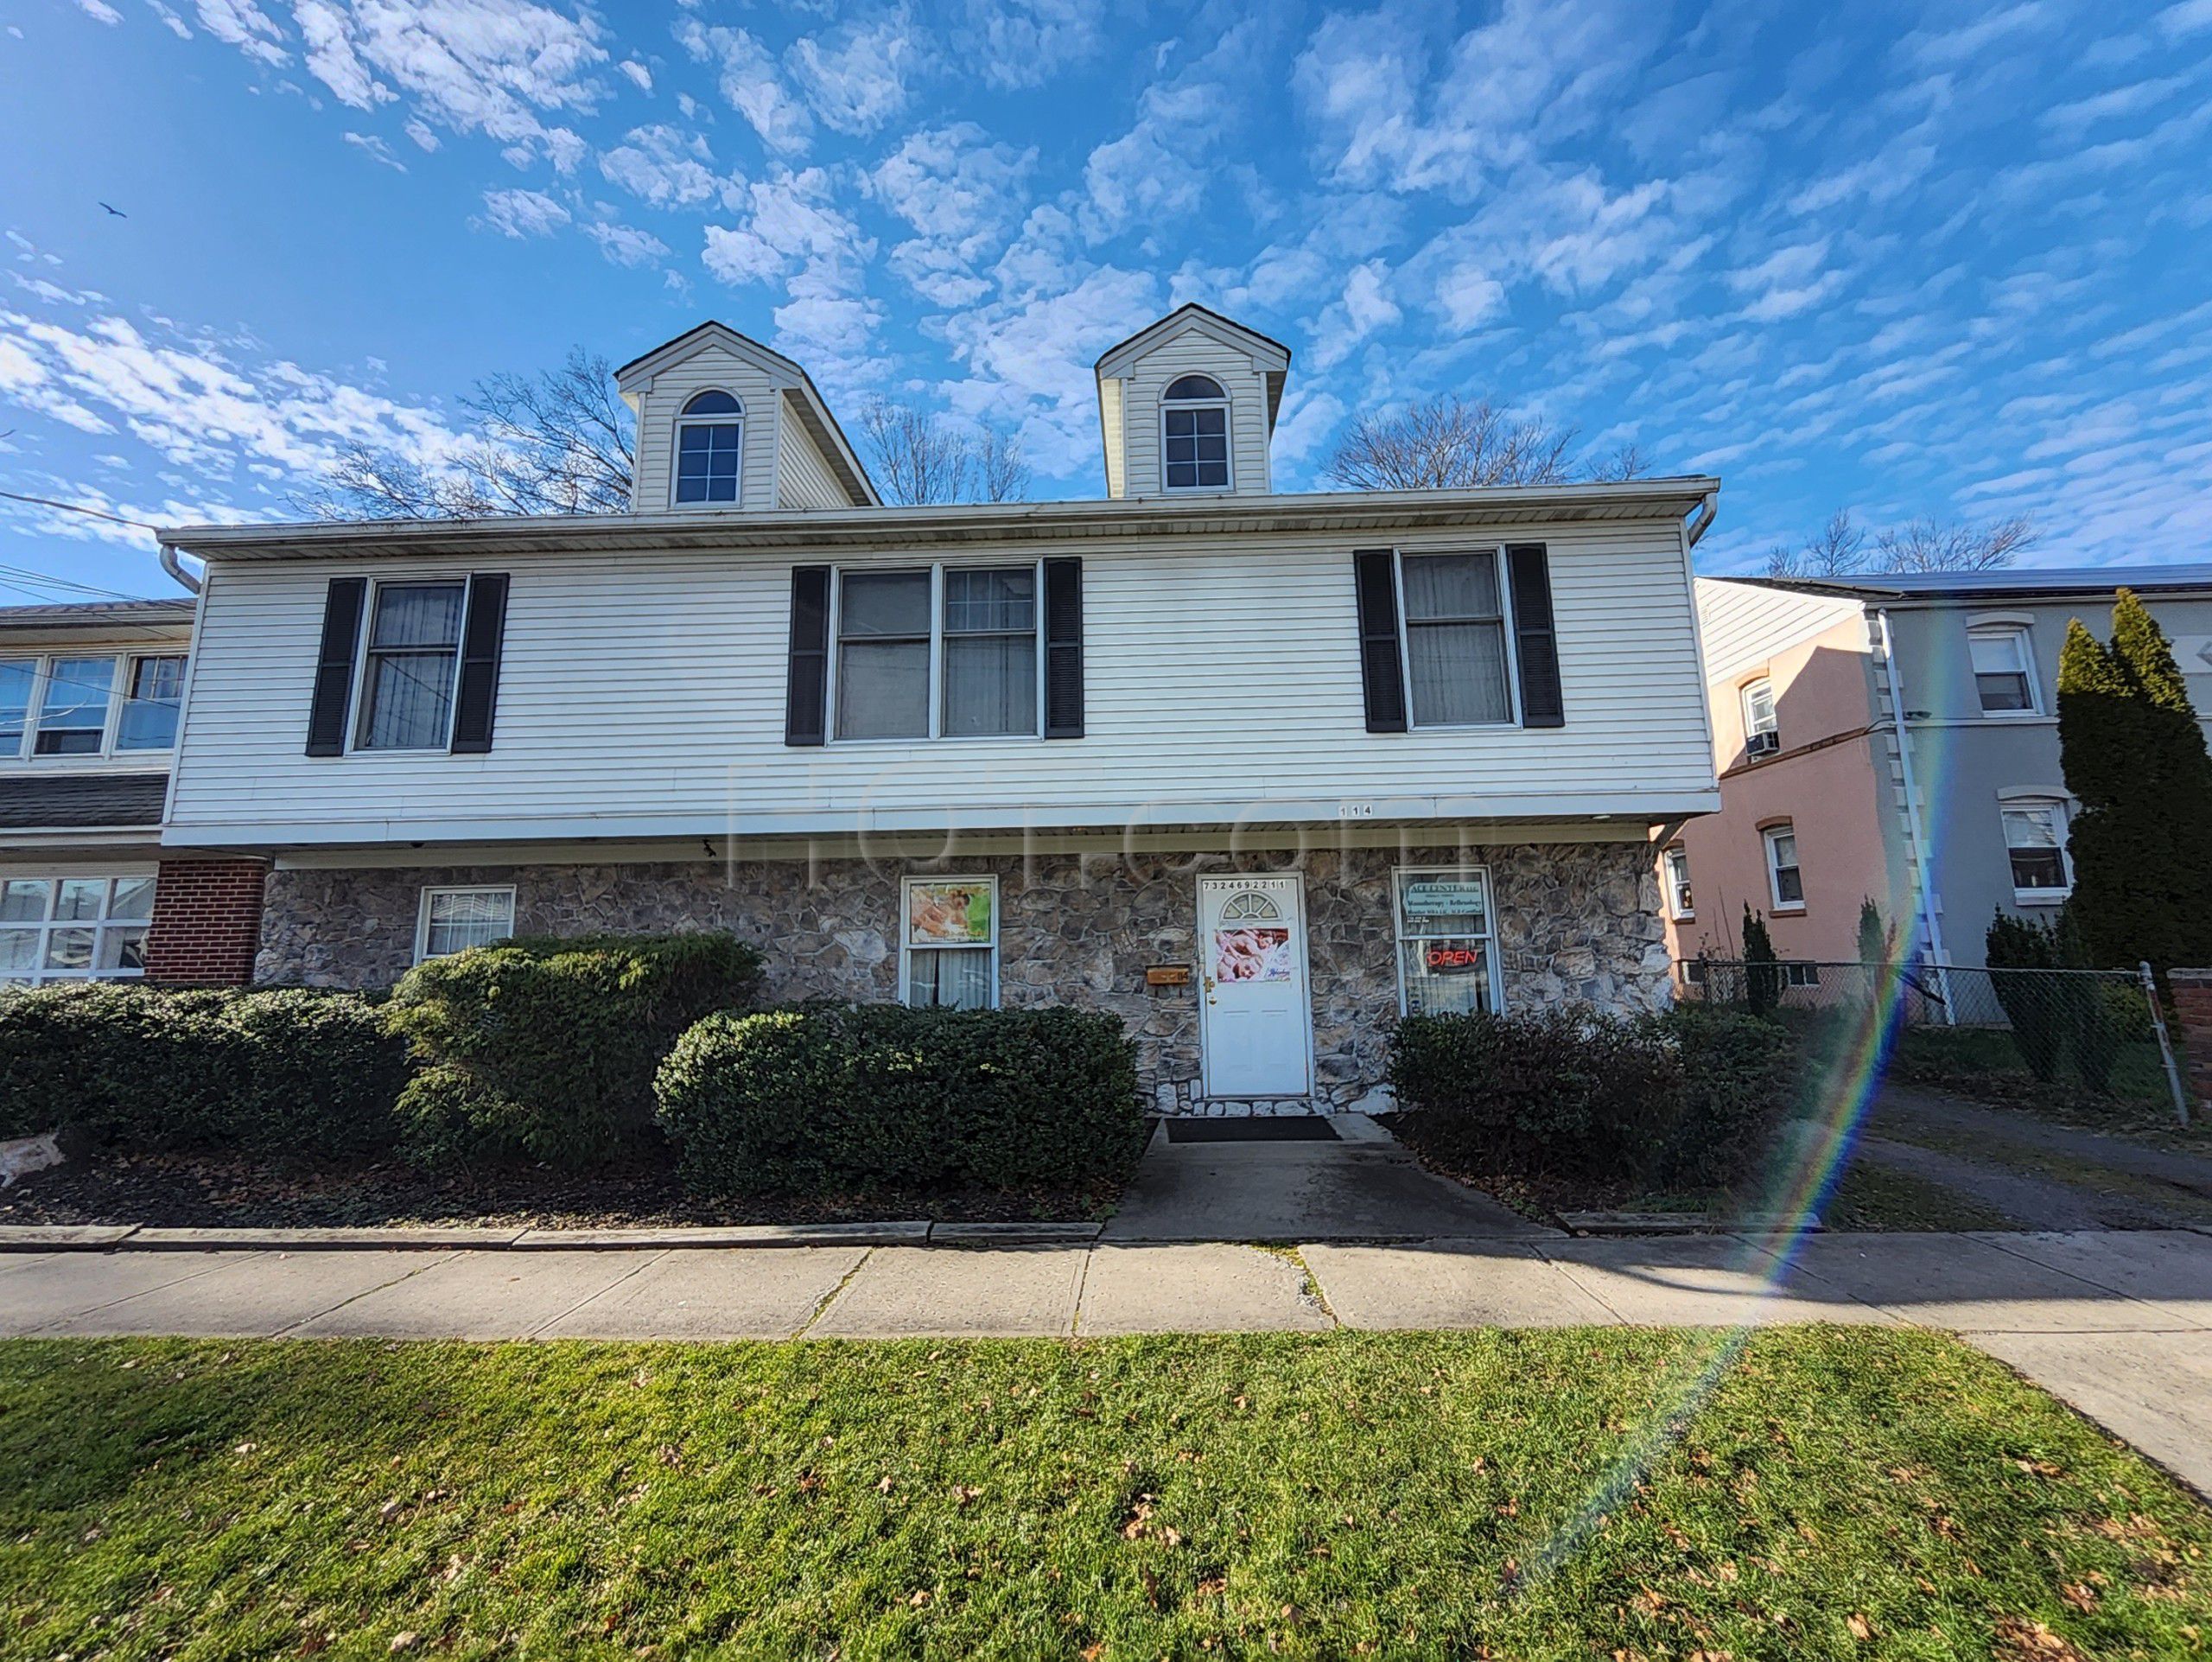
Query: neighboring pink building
x=1801 y=836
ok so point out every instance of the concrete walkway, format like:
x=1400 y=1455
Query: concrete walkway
x=2118 y=1324
x=1363 y=1184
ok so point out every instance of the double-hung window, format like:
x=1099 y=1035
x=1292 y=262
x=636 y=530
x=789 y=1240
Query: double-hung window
x=2003 y=670
x=89 y=705
x=1194 y=435
x=937 y=651
x=1785 y=882
x=1680 y=904
x=709 y=448
x=74 y=929
x=948 y=942
x=454 y=920
x=1762 y=729
x=1457 y=669
x=2035 y=844
x=1447 y=940
x=407 y=675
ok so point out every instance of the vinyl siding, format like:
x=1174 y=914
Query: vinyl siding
x=803 y=478
x=648 y=686
x=662 y=403
x=1110 y=397
x=1194 y=352
x=1744 y=624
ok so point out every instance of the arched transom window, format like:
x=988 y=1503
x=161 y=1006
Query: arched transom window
x=1194 y=435
x=709 y=436
x=1249 y=908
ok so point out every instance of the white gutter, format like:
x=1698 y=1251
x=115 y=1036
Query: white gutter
x=170 y=565
x=1923 y=897
x=1708 y=512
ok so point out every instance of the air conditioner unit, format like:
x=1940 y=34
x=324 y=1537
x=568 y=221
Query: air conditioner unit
x=1762 y=744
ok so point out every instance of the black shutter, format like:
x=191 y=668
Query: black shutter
x=481 y=638
x=1381 y=676
x=806 y=703
x=333 y=665
x=1064 y=649
x=1535 y=638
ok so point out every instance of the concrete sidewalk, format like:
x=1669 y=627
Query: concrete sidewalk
x=2118 y=1324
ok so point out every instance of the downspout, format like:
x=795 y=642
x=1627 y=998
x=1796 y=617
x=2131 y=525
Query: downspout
x=1924 y=898
x=170 y=564
x=1708 y=512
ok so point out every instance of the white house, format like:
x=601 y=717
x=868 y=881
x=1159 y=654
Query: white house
x=1257 y=771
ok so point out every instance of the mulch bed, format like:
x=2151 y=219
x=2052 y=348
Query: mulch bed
x=182 y=1191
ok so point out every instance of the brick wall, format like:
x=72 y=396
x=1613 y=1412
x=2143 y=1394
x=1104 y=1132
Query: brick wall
x=206 y=924
x=2193 y=1019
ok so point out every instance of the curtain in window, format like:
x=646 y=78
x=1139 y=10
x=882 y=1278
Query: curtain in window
x=883 y=656
x=990 y=652
x=460 y=918
x=412 y=651
x=949 y=977
x=1455 y=640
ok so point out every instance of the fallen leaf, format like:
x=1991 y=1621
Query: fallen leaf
x=405 y=1641
x=1860 y=1627
x=2080 y=1596
x=920 y=1598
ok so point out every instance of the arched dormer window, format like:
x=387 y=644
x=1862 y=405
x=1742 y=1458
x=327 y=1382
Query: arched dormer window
x=709 y=436
x=1194 y=435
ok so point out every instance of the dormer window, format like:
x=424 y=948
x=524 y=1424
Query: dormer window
x=1194 y=434
x=709 y=440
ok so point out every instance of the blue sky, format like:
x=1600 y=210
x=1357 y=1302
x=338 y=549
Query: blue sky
x=1945 y=260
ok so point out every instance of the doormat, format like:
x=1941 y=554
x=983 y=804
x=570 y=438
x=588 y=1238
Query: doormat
x=1283 y=1127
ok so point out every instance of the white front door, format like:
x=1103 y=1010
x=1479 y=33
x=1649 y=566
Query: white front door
x=1252 y=976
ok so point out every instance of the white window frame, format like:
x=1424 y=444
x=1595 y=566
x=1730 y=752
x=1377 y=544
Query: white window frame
x=1400 y=935
x=676 y=448
x=2022 y=637
x=1678 y=886
x=98 y=925
x=119 y=699
x=358 y=725
x=1227 y=406
x=936 y=571
x=907 y=949
x=2062 y=823
x=1768 y=834
x=1496 y=552
x=423 y=953
x=1752 y=725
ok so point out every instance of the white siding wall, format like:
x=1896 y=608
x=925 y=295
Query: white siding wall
x=675 y=387
x=803 y=478
x=1196 y=353
x=643 y=686
x=1746 y=623
x=1110 y=391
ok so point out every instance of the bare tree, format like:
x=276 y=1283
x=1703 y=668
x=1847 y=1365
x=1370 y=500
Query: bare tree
x=1447 y=443
x=918 y=457
x=1839 y=550
x=562 y=442
x=1626 y=461
x=1924 y=545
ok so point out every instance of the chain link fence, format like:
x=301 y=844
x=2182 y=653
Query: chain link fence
x=2000 y=1033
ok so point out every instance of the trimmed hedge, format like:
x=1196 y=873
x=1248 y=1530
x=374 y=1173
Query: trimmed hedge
x=285 y=1071
x=546 y=1048
x=1691 y=1097
x=841 y=1100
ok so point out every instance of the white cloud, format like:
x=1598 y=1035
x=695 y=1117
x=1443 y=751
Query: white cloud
x=1363 y=307
x=751 y=83
x=789 y=224
x=2074 y=116
x=374 y=146
x=100 y=12
x=640 y=77
x=523 y=212
x=854 y=77
x=962 y=194
x=1974 y=39
x=2187 y=17
x=1020 y=43
x=1158 y=170
x=663 y=165
x=1470 y=296
x=626 y=245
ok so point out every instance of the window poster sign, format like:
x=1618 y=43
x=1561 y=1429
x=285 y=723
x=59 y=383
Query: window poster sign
x=1249 y=953
x=948 y=915
x=1439 y=897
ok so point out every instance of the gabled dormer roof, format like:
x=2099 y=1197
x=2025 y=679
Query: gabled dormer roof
x=801 y=399
x=1268 y=355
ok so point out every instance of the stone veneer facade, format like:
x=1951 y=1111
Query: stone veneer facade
x=1576 y=923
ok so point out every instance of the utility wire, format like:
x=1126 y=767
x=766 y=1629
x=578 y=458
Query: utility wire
x=73 y=508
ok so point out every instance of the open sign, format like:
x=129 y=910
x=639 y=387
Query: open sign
x=1451 y=960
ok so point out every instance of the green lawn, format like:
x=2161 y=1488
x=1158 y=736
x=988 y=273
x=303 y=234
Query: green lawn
x=1869 y=1196
x=1844 y=1492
